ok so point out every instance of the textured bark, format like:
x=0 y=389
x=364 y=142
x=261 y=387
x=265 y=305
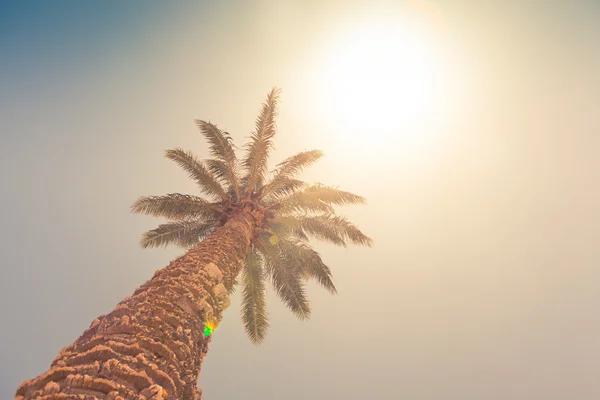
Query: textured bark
x=151 y=346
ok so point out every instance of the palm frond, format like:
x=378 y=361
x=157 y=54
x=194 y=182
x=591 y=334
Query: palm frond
x=230 y=284
x=290 y=288
x=257 y=151
x=286 y=280
x=317 y=198
x=184 y=233
x=175 y=206
x=330 y=228
x=289 y=168
x=283 y=229
x=197 y=171
x=285 y=187
x=298 y=201
x=318 y=228
x=222 y=149
x=308 y=261
x=347 y=229
x=254 y=313
x=221 y=172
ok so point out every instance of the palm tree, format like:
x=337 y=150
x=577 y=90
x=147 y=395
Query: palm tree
x=249 y=228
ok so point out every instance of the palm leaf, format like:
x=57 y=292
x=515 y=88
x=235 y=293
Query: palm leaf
x=197 y=172
x=289 y=168
x=221 y=147
x=285 y=187
x=230 y=284
x=299 y=201
x=220 y=170
x=290 y=288
x=347 y=229
x=286 y=280
x=254 y=313
x=318 y=198
x=183 y=233
x=175 y=206
x=329 y=228
x=315 y=227
x=308 y=261
x=283 y=229
x=257 y=151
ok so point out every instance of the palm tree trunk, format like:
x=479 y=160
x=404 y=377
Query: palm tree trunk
x=151 y=346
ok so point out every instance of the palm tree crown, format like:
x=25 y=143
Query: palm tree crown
x=287 y=212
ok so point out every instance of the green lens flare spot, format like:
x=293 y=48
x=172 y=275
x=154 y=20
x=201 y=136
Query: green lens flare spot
x=274 y=240
x=208 y=329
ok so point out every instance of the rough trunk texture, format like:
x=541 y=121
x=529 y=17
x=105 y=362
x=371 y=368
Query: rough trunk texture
x=151 y=346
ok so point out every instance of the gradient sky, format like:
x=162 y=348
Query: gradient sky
x=484 y=282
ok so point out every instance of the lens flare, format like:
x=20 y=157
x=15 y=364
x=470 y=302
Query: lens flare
x=209 y=327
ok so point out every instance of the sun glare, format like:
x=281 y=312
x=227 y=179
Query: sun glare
x=382 y=77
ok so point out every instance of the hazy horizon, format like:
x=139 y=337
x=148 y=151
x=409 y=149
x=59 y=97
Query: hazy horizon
x=482 y=180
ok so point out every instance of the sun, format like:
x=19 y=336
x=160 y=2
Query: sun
x=383 y=76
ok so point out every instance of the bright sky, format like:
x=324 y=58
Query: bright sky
x=471 y=127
